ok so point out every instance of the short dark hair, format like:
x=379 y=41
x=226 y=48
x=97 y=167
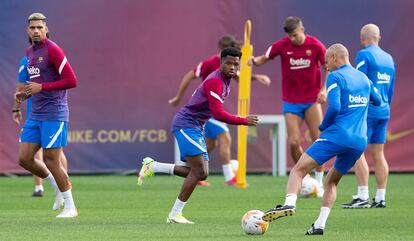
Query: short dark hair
x=292 y=23
x=234 y=52
x=36 y=16
x=228 y=41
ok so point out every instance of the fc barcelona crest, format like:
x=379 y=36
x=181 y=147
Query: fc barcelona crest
x=308 y=52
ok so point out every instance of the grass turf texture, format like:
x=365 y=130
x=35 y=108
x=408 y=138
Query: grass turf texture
x=114 y=208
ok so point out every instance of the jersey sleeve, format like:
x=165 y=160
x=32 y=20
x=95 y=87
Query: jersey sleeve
x=334 y=101
x=361 y=62
x=23 y=75
x=200 y=69
x=274 y=50
x=321 y=53
x=391 y=89
x=68 y=79
x=212 y=89
x=203 y=69
x=374 y=95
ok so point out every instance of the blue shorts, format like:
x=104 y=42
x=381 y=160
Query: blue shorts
x=213 y=128
x=48 y=134
x=377 y=130
x=191 y=143
x=323 y=150
x=297 y=109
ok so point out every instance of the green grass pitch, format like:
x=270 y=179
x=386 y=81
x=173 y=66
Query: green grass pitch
x=114 y=208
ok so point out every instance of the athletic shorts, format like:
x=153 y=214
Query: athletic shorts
x=297 y=109
x=323 y=150
x=213 y=128
x=377 y=130
x=191 y=143
x=48 y=134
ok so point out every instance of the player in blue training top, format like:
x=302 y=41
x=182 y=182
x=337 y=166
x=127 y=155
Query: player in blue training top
x=379 y=66
x=22 y=79
x=344 y=135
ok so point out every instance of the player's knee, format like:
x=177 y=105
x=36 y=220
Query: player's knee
x=378 y=157
x=201 y=174
x=300 y=169
x=294 y=143
x=225 y=140
x=24 y=162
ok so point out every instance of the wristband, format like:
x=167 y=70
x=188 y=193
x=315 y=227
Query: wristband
x=15 y=110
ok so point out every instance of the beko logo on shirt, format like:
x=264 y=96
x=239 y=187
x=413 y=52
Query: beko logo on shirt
x=383 y=76
x=299 y=63
x=358 y=99
x=33 y=71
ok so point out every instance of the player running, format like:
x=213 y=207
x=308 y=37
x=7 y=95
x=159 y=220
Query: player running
x=301 y=56
x=187 y=127
x=344 y=135
x=215 y=130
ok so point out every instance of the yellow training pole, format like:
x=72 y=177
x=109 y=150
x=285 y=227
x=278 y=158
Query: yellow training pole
x=244 y=105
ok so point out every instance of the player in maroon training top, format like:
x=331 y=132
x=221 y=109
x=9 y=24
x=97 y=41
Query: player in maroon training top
x=50 y=76
x=214 y=130
x=187 y=127
x=303 y=93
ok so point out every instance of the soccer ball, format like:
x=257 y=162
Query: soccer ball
x=253 y=224
x=234 y=165
x=309 y=187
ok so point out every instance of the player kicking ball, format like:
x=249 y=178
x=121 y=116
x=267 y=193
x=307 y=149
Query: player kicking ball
x=344 y=135
x=187 y=127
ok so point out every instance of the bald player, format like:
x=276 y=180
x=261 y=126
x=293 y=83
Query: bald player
x=379 y=66
x=344 y=131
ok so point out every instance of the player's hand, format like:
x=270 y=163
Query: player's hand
x=322 y=96
x=252 y=120
x=250 y=61
x=263 y=79
x=32 y=88
x=17 y=117
x=174 y=101
x=20 y=96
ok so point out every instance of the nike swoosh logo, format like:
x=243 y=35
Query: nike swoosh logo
x=51 y=136
x=398 y=135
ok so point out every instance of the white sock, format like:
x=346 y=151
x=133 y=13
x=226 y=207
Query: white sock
x=52 y=182
x=228 y=172
x=290 y=199
x=319 y=178
x=67 y=196
x=380 y=195
x=363 y=192
x=39 y=188
x=178 y=207
x=159 y=167
x=323 y=216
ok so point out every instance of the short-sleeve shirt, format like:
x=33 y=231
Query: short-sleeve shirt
x=301 y=72
x=207 y=66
